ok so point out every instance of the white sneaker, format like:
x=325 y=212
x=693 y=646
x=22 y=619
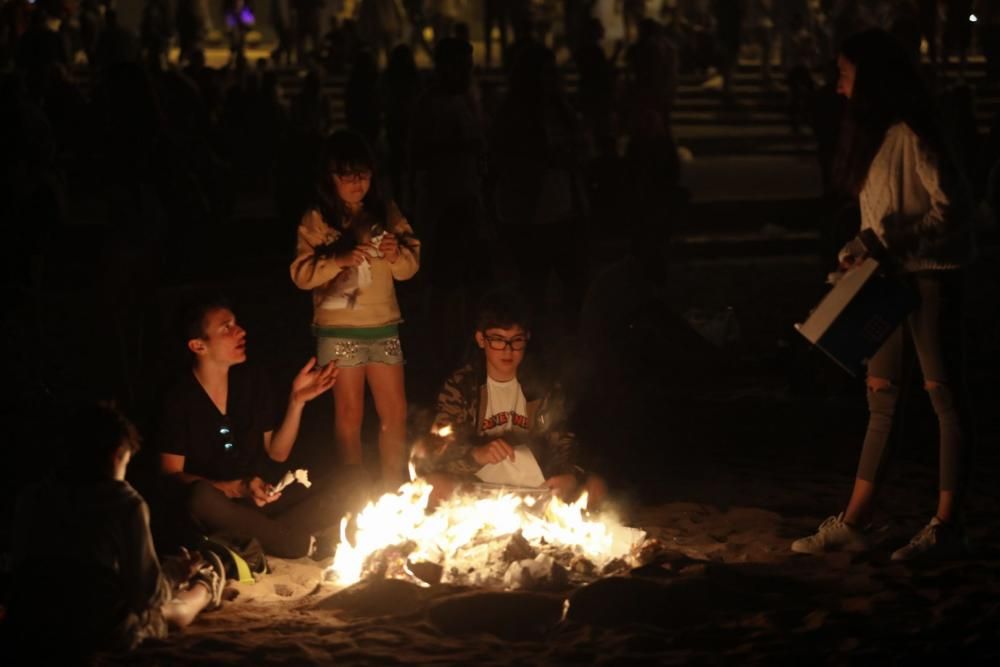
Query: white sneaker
x=833 y=535
x=936 y=540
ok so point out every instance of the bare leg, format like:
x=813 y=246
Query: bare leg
x=387 y=386
x=859 y=506
x=947 y=505
x=348 y=409
x=184 y=607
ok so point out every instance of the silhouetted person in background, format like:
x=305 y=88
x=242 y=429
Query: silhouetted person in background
x=240 y=20
x=307 y=29
x=381 y=24
x=596 y=92
x=496 y=14
x=537 y=153
x=361 y=98
x=335 y=47
x=156 y=32
x=281 y=20
x=729 y=24
x=957 y=32
x=447 y=157
x=400 y=86
x=191 y=26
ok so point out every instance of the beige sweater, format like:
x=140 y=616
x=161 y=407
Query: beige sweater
x=314 y=270
x=918 y=208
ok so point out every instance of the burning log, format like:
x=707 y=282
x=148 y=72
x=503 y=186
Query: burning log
x=518 y=549
x=478 y=541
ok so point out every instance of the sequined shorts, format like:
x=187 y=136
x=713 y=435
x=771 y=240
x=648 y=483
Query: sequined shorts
x=351 y=352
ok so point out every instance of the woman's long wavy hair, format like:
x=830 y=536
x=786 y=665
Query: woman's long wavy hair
x=888 y=89
x=345 y=152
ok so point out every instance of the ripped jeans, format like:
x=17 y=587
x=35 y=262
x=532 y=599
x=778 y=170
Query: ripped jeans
x=937 y=333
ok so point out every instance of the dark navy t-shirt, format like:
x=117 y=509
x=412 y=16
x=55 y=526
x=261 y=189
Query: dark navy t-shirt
x=219 y=446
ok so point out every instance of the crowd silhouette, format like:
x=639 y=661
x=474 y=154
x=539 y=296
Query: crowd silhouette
x=507 y=174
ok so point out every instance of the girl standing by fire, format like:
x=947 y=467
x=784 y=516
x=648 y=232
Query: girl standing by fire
x=352 y=247
x=912 y=196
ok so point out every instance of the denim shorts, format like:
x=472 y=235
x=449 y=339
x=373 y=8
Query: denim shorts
x=350 y=352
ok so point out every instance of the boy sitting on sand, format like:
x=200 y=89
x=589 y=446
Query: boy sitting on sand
x=493 y=410
x=86 y=575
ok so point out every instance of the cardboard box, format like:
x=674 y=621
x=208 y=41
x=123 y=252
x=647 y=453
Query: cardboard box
x=858 y=314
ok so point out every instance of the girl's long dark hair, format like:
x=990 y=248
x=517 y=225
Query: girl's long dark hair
x=344 y=152
x=888 y=89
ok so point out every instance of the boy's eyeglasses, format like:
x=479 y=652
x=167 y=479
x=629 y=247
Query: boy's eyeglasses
x=353 y=176
x=499 y=342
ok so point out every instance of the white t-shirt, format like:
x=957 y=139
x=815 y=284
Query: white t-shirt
x=505 y=408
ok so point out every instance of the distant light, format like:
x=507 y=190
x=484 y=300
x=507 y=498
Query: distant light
x=972 y=18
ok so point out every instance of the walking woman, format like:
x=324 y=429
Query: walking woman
x=352 y=247
x=912 y=196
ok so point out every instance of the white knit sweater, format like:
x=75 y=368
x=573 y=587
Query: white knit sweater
x=918 y=209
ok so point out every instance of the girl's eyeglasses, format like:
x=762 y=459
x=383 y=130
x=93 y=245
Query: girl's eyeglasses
x=352 y=176
x=499 y=342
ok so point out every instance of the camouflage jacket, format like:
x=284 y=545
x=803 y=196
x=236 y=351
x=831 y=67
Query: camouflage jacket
x=461 y=404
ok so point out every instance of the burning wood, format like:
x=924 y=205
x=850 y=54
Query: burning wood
x=504 y=539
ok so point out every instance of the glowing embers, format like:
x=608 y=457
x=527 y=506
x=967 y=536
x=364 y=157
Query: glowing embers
x=484 y=537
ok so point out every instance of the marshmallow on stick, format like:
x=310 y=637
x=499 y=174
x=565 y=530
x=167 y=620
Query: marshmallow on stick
x=301 y=476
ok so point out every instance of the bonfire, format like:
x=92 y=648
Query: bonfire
x=487 y=536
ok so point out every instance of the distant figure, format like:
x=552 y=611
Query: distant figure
x=524 y=37
x=633 y=12
x=496 y=14
x=460 y=31
x=729 y=24
x=191 y=24
x=989 y=31
x=281 y=20
x=400 y=87
x=240 y=20
x=335 y=48
x=85 y=513
x=895 y=159
x=957 y=32
x=91 y=23
x=447 y=156
x=361 y=98
x=597 y=87
x=40 y=46
x=156 y=32
x=537 y=153
x=116 y=44
x=416 y=16
x=381 y=25
x=311 y=107
x=307 y=29
x=765 y=27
